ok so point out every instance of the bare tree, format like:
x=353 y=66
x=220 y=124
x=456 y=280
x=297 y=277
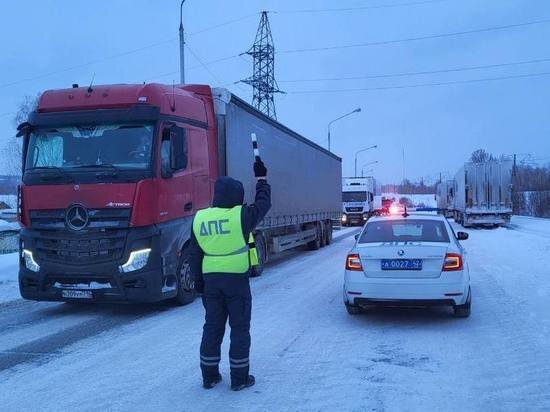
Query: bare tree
x=480 y=156
x=12 y=146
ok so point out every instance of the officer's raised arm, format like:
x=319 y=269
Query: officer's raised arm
x=253 y=214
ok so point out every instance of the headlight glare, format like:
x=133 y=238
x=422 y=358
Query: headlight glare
x=137 y=260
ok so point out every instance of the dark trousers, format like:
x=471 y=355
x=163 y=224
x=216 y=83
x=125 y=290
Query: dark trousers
x=226 y=296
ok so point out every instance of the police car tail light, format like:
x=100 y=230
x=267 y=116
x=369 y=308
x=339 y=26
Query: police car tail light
x=137 y=260
x=453 y=261
x=353 y=262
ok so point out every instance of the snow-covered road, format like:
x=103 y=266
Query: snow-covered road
x=307 y=352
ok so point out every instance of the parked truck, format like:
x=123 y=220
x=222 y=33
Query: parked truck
x=483 y=193
x=113 y=176
x=445 y=197
x=357 y=200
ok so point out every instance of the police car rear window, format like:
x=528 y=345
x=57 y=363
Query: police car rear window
x=406 y=230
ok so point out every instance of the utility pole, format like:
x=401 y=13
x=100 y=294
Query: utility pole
x=263 y=78
x=182 y=46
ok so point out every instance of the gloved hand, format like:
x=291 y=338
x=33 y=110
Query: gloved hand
x=260 y=171
x=199 y=286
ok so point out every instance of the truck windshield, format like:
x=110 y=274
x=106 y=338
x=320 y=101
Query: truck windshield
x=409 y=230
x=121 y=146
x=354 y=196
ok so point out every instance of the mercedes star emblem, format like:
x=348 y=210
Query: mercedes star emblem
x=401 y=252
x=76 y=217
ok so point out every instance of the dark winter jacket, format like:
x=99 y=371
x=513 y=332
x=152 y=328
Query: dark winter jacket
x=229 y=193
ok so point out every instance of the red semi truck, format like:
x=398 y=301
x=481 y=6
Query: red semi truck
x=113 y=175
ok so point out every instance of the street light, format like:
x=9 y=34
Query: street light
x=341 y=117
x=359 y=151
x=182 y=46
x=367 y=164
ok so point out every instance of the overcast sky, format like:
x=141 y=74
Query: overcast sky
x=54 y=43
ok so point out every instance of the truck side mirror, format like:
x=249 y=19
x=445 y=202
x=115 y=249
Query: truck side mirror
x=462 y=235
x=178 y=149
x=165 y=154
x=356 y=236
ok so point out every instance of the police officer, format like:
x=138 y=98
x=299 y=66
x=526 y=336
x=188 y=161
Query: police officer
x=221 y=255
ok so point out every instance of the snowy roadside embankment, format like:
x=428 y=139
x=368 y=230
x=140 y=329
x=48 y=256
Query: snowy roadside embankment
x=9 y=267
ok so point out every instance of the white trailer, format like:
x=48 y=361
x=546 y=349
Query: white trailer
x=483 y=193
x=445 y=197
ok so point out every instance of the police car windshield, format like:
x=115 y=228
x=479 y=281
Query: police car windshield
x=405 y=230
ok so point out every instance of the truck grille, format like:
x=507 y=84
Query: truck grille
x=354 y=209
x=97 y=246
x=111 y=218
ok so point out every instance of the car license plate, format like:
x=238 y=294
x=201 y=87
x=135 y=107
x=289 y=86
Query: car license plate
x=77 y=294
x=401 y=264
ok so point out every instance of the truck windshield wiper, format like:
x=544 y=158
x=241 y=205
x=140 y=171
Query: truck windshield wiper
x=99 y=166
x=61 y=173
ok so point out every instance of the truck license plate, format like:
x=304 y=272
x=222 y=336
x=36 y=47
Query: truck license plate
x=77 y=294
x=401 y=264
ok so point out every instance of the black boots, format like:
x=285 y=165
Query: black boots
x=240 y=386
x=210 y=383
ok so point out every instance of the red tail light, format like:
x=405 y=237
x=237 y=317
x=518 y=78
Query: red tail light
x=353 y=262
x=453 y=261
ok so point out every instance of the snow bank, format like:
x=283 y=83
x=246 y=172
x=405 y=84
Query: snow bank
x=9 y=267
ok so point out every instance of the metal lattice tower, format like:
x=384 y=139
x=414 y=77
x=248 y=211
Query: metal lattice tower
x=263 y=79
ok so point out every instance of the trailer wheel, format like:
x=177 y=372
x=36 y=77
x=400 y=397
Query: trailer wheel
x=324 y=229
x=328 y=232
x=261 y=247
x=185 y=285
x=316 y=243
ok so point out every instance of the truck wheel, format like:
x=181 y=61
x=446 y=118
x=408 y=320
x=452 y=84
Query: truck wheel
x=328 y=232
x=261 y=247
x=186 y=292
x=316 y=243
x=323 y=227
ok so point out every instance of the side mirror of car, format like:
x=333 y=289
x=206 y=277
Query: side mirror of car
x=356 y=236
x=462 y=236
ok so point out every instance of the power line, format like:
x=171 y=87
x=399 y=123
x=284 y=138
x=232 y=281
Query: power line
x=126 y=53
x=216 y=78
x=410 y=86
x=409 y=39
x=451 y=70
x=345 y=9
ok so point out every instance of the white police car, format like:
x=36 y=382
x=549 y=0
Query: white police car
x=408 y=260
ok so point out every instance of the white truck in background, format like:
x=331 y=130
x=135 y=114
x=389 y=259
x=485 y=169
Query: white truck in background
x=483 y=193
x=357 y=200
x=445 y=197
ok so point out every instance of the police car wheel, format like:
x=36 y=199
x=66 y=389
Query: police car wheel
x=259 y=241
x=186 y=292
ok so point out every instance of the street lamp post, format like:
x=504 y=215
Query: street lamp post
x=182 y=46
x=359 y=151
x=368 y=164
x=341 y=117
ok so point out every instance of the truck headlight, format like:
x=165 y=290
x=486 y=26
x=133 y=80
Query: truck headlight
x=344 y=217
x=30 y=263
x=137 y=260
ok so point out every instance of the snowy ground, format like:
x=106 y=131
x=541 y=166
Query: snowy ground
x=307 y=352
x=9 y=289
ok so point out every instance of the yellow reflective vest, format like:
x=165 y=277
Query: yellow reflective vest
x=220 y=236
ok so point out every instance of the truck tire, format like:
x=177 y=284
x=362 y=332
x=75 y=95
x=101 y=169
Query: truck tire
x=184 y=283
x=316 y=243
x=261 y=247
x=323 y=227
x=328 y=232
